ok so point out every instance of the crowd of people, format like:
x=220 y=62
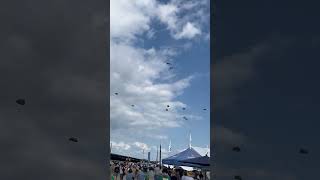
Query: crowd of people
x=143 y=171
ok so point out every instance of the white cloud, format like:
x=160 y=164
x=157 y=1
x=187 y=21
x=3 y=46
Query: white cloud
x=142 y=146
x=130 y=18
x=168 y=14
x=184 y=18
x=189 y=31
x=120 y=145
x=202 y=150
x=141 y=77
x=134 y=149
x=155 y=136
x=134 y=75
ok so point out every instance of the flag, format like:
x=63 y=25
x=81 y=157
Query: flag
x=190 y=141
x=143 y=154
x=207 y=150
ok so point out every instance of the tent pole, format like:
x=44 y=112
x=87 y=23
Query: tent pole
x=205 y=175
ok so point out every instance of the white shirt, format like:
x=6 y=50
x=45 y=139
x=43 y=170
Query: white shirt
x=187 y=178
x=157 y=171
x=151 y=175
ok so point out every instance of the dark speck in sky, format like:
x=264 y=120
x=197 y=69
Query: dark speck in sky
x=304 y=151
x=73 y=139
x=236 y=149
x=21 y=102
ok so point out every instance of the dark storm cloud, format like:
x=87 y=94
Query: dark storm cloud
x=53 y=54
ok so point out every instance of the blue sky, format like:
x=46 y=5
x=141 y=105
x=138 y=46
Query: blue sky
x=145 y=35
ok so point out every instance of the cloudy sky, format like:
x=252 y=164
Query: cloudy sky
x=147 y=38
x=53 y=54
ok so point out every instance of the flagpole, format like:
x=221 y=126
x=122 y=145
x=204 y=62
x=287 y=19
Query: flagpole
x=160 y=158
x=157 y=155
x=142 y=155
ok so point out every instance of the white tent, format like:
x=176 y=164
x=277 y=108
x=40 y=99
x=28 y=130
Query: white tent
x=187 y=168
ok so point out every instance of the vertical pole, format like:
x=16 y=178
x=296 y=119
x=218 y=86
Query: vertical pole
x=160 y=157
x=190 y=140
x=157 y=155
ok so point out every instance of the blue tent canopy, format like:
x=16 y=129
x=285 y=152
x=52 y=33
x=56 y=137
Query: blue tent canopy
x=202 y=161
x=184 y=155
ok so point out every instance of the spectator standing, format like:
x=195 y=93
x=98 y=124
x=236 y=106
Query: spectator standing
x=173 y=175
x=186 y=177
x=165 y=175
x=142 y=174
x=151 y=174
x=201 y=176
x=129 y=175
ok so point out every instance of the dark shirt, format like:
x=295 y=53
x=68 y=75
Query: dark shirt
x=174 y=178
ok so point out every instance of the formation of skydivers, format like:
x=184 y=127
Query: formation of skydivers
x=167 y=107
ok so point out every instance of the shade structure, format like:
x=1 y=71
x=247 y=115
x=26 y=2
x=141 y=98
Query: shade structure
x=184 y=155
x=203 y=161
x=119 y=157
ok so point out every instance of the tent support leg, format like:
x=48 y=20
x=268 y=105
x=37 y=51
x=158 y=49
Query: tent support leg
x=205 y=175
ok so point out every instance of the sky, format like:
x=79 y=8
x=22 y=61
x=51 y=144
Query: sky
x=145 y=36
x=266 y=70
